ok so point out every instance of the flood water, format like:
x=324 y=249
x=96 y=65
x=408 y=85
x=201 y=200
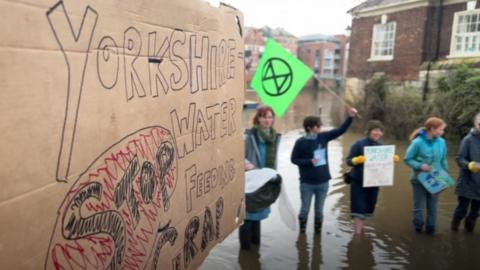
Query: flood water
x=389 y=241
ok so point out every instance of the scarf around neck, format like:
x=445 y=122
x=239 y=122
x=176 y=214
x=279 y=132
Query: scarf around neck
x=268 y=136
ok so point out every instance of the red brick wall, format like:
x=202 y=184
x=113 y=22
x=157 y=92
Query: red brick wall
x=255 y=41
x=447 y=23
x=415 y=42
x=407 y=54
x=442 y=39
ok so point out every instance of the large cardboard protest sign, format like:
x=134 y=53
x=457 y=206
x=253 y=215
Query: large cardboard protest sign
x=378 y=167
x=121 y=133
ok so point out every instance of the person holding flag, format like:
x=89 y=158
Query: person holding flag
x=279 y=78
x=311 y=156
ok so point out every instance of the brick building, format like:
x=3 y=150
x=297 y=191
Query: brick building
x=254 y=46
x=325 y=55
x=410 y=41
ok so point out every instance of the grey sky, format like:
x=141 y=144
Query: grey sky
x=299 y=17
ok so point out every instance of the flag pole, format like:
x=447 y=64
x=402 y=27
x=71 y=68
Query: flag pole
x=334 y=94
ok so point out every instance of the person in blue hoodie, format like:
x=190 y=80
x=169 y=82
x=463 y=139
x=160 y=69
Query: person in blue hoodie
x=311 y=156
x=468 y=186
x=426 y=151
x=363 y=199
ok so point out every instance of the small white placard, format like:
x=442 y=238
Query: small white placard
x=378 y=167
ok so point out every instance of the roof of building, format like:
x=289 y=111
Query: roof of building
x=276 y=32
x=373 y=3
x=317 y=38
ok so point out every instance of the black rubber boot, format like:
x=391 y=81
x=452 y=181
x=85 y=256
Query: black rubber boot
x=245 y=236
x=469 y=224
x=256 y=233
x=455 y=224
x=303 y=224
x=318 y=225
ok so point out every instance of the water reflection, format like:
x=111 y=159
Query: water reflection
x=360 y=253
x=317 y=252
x=249 y=259
x=303 y=251
x=304 y=256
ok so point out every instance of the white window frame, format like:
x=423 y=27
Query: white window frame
x=454 y=53
x=375 y=37
x=328 y=63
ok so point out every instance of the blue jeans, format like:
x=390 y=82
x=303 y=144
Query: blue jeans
x=306 y=193
x=424 y=199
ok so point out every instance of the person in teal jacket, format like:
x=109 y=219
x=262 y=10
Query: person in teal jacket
x=426 y=151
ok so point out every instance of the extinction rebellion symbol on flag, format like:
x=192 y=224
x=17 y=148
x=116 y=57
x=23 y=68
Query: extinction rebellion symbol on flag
x=276 y=77
x=279 y=78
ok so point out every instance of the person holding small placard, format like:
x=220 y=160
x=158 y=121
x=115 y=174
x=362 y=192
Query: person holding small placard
x=363 y=199
x=311 y=156
x=426 y=153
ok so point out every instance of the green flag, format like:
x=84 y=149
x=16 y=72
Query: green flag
x=279 y=78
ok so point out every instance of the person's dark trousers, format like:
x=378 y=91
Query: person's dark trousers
x=249 y=233
x=256 y=232
x=461 y=212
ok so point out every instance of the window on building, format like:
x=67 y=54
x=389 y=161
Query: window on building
x=327 y=72
x=466 y=34
x=316 y=64
x=328 y=60
x=327 y=63
x=383 y=41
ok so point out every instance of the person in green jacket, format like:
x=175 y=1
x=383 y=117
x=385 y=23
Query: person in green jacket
x=427 y=151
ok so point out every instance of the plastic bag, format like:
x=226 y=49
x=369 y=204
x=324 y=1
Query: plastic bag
x=287 y=214
x=265 y=195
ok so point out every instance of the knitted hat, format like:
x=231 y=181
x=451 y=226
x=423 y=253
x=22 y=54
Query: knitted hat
x=373 y=124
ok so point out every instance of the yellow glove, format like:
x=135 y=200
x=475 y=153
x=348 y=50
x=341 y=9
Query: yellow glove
x=473 y=167
x=358 y=160
x=396 y=158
